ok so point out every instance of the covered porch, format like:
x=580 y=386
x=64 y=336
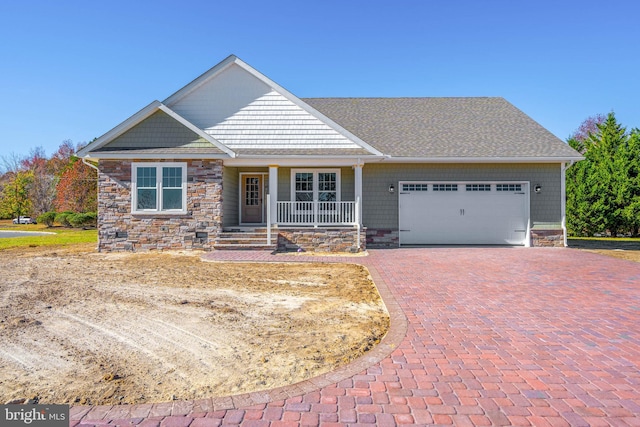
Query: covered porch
x=291 y=207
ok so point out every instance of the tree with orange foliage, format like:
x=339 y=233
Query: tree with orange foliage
x=77 y=189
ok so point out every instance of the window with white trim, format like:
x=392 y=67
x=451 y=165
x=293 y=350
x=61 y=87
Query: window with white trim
x=309 y=185
x=158 y=187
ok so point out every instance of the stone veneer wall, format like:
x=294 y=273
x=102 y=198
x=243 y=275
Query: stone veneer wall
x=321 y=239
x=382 y=238
x=120 y=230
x=549 y=238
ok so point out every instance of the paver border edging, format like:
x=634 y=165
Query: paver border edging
x=398 y=326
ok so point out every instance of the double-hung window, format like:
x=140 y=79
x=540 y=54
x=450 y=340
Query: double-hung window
x=321 y=185
x=159 y=188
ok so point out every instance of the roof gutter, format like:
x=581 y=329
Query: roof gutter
x=393 y=159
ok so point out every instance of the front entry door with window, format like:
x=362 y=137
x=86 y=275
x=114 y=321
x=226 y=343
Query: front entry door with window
x=252 y=195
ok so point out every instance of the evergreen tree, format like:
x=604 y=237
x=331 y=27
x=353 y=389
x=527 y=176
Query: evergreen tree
x=629 y=192
x=603 y=189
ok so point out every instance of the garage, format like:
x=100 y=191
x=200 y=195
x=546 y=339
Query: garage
x=468 y=213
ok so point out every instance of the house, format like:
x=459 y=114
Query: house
x=234 y=152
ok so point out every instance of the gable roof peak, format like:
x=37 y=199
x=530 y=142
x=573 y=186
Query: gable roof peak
x=212 y=73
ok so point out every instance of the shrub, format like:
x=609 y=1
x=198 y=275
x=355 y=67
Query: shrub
x=47 y=218
x=63 y=218
x=82 y=219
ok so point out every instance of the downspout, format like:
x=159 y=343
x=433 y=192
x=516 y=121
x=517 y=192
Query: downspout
x=91 y=165
x=563 y=191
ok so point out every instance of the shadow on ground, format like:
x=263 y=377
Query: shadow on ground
x=604 y=244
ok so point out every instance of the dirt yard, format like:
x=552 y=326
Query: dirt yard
x=87 y=328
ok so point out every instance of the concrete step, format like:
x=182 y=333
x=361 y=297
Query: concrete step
x=245 y=239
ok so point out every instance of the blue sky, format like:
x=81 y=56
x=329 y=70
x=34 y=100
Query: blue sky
x=75 y=69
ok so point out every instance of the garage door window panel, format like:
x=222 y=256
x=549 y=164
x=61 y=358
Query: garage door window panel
x=445 y=187
x=478 y=187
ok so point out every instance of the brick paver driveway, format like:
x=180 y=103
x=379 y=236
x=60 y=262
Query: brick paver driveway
x=494 y=336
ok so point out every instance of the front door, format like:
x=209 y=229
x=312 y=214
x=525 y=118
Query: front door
x=252 y=207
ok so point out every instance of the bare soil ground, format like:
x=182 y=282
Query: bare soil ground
x=87 y=328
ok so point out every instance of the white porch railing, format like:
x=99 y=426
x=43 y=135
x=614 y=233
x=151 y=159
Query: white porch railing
x=317 y=213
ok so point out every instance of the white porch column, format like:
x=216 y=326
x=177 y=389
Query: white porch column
x=563 y=200
x=273 y=192
x=357 y=168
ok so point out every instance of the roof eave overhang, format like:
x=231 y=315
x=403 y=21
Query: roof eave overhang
x=300 y=161
x=106 y=155
x=518 y=159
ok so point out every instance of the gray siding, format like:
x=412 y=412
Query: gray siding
x=230 y=182
x=380 y=208
x=284 y=184
x=347 y=182
x=157 y=131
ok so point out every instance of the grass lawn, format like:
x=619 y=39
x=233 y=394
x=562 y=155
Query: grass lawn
x=62 y=236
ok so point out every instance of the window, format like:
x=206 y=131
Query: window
x=159 y=187
x=252 y=192
x=304 y=187
x=415 y=187
x=327 y=186
x=508 y=187
x=315 y=185
x=478 y=187
x=445 y=187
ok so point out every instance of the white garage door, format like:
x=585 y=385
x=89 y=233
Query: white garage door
x=437 y=213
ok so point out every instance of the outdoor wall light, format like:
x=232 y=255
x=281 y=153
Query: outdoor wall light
x=392 y=188
x=537 y=188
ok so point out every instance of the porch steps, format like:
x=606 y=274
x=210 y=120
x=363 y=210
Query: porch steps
x=245 y=239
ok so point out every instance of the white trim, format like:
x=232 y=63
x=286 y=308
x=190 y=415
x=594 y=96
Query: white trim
x=315 y=173
x=357 y=191
x=272 y=207
x=295 y=161
x=152 y=156
x=563 y=202
x=159 y=195
x=391 y=159
x=264 y=194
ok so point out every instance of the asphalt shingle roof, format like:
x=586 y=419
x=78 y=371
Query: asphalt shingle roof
x=443 y=127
